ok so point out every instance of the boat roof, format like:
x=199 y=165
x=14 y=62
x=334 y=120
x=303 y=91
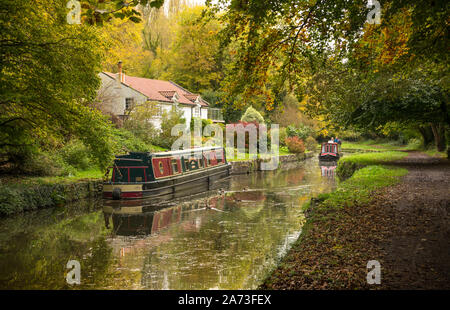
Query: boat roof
x=198 y=149
x=329 y=143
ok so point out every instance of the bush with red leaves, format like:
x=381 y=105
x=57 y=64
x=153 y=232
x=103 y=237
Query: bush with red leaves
x=295 y=145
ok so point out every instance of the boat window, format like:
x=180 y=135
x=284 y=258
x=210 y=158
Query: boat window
x=193 y=164
x=175 y=167
x=161 y=167
x=219 y=158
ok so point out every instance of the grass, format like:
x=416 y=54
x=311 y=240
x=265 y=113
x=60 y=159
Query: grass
x=358 y=188
x=373 y=158
x=90 y=174
x=349 y=164
x=371 y=145
x=435 y=153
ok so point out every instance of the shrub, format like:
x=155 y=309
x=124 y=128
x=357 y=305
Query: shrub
x=126 y=141
x=311 y=144
x=45 y=164
x=302 y=132
x=205 y=122
x=414 y=144
x=76 y=154
x=349 y=135
x=295 y=145
x=283 y=136
x=10 y=201
x=168 y=121
x=251 y=115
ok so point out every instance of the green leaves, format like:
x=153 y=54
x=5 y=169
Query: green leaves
x=96 y=12
x=48 y=77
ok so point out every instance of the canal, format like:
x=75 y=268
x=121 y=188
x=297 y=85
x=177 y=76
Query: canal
x=226 y=239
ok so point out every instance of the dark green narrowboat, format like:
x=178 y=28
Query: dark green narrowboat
x=166 y=175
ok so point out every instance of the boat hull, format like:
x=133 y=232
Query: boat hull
x=170 y=188
x=329 y=157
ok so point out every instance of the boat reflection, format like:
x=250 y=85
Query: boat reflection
x=328 y=168
x=132 y=218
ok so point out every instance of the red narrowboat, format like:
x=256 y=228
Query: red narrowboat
x=329 y=151
x=166 y=175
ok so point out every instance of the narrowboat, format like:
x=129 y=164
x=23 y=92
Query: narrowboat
x=166 y=175
x=329 y=151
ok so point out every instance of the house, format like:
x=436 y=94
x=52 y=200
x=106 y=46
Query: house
x=119 y=93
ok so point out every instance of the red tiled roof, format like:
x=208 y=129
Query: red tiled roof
x=159 y=90
x=192 y=97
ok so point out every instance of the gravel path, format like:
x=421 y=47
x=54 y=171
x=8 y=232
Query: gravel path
x=417 y=250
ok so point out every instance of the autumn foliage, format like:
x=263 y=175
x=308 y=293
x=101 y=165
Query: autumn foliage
x=295 y=144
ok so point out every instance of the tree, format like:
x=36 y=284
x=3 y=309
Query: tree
x=97 y=12
x=168 y=121
x=251 y=115
x=139 y=121
x=191 y=59
x=124 y=41
x=350 y=72
x=48 y=77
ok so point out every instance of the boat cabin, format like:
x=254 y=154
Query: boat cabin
x=329 y=151
x=145 y=167
x=166 y=175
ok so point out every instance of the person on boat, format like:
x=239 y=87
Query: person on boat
x=331 y=140
x=336 y=140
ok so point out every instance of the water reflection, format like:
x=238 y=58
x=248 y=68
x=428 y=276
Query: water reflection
x=227 y=239
x=136 y=220
x=328 y=168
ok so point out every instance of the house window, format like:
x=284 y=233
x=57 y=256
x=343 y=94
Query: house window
x=129 y=102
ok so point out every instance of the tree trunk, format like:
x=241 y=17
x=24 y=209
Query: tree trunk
x=427 y=135
x=439 y=136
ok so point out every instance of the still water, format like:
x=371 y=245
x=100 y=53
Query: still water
x=228 y=239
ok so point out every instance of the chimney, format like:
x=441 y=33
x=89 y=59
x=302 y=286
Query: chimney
x=120 y=75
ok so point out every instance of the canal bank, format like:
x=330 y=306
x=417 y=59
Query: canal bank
x=20 y=197
x=396 y=216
